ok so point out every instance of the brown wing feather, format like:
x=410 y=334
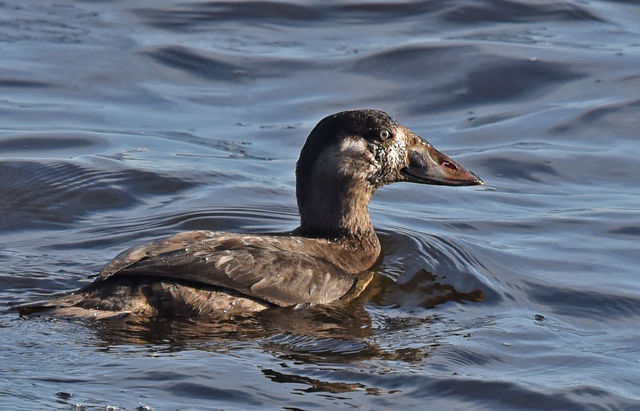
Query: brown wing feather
x=271 y=268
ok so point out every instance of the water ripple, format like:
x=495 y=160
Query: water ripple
x=50 y=193
x=490 y=11
x=126 y=122
x=586 y=305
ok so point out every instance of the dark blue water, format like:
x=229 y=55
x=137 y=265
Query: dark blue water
x=124 y=121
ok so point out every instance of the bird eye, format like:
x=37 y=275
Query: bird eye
x=385 y=134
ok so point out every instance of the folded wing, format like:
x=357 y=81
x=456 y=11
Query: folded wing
x=269 y=268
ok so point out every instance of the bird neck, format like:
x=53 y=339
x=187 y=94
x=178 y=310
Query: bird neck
x=336 y=209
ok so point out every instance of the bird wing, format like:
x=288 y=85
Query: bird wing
x=269 y=268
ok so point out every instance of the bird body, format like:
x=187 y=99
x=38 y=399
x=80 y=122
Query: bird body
x=326 y=259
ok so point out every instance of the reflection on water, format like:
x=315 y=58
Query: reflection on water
x=123 y=123
x=424 y=291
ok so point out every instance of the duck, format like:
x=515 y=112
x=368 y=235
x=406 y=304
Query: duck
x=326 y=260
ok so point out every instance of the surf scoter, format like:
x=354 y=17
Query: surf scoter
x=346 y=157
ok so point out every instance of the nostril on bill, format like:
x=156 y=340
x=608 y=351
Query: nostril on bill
x=448 y=164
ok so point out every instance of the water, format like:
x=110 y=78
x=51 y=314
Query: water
x=126 y=121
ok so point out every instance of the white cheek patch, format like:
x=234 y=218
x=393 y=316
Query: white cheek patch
x=353 y=146
x=331 y=157
x=398 y=149
x=349 y=157
x=355 y=158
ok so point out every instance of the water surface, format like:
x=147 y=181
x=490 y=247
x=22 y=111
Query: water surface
x=122 y=122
